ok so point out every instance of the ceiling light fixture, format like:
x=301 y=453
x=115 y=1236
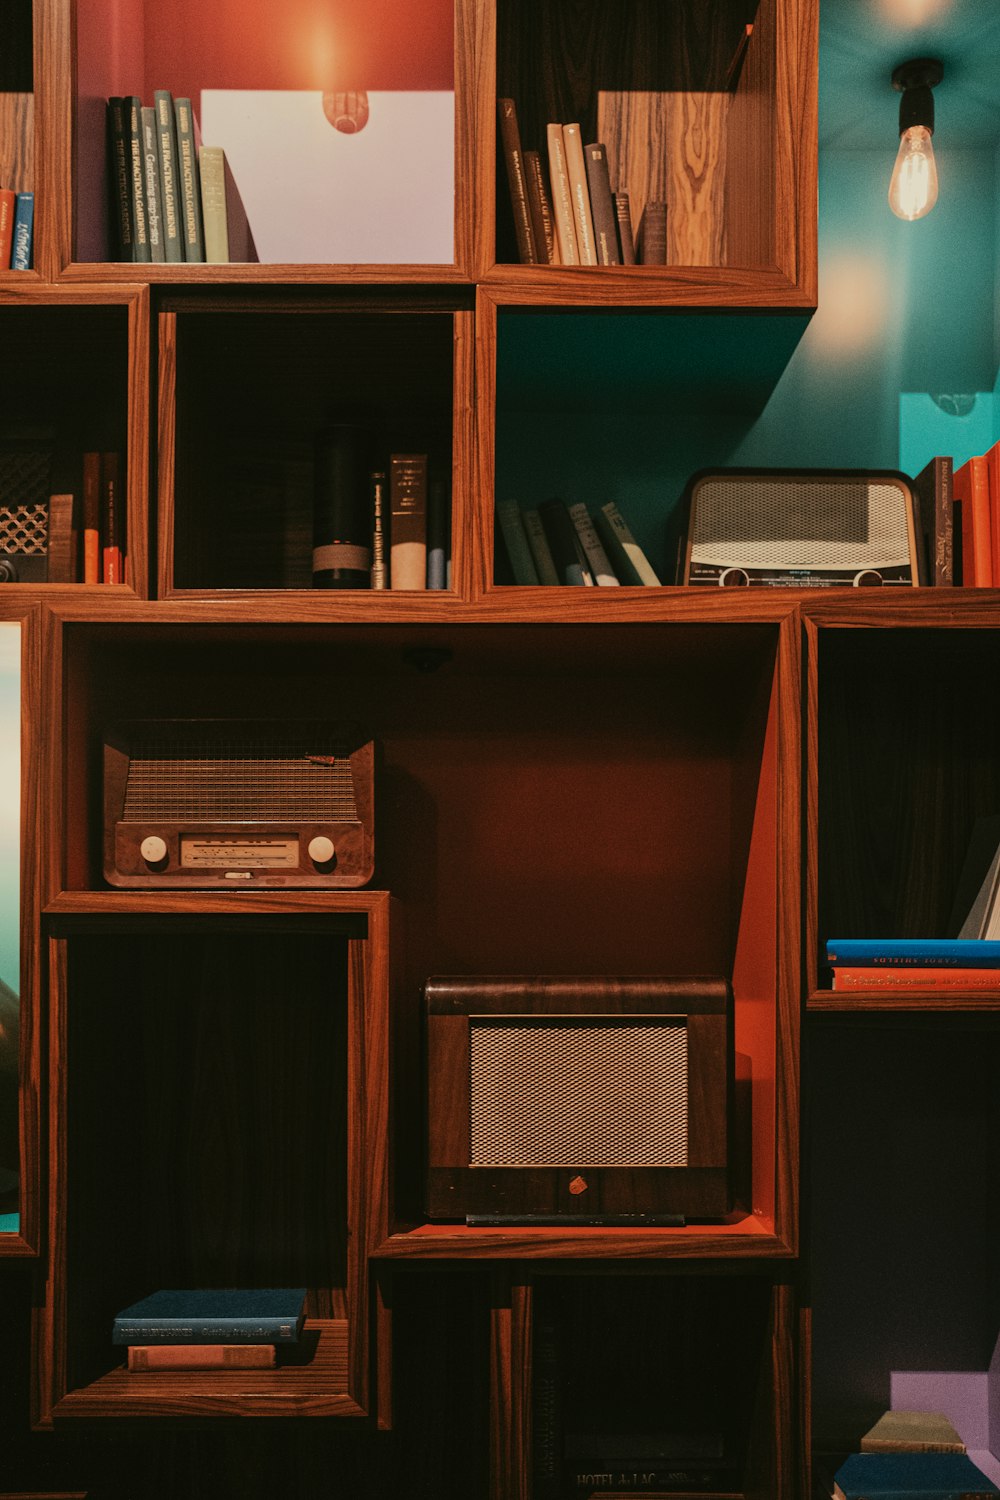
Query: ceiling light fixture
x=914 y=187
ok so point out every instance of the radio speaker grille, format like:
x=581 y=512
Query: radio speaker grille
x=552 y=1093
x=800 y=523
x=298 y=776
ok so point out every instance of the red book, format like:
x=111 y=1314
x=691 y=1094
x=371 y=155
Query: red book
x=992 y=462
x=8 y=199
x=970 y=488
x=112 y=520
x=910 y=977
x=201 y=1356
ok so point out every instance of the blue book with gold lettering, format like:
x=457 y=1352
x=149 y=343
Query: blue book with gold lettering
x=911 y=1476
x=234 y=1315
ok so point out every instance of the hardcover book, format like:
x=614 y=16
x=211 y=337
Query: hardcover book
x=189 y=190
x=510 y=145
x=166 y=143
x=137 y=180
x=602 y=205
x=911 y=1476
x=562 y=198
x=576 y=171
x=8 y=200
x=22 y=245
x=968 y=953
x=151 y=183
x=912 y=1432
x=119 y=157
x=201 y=1357
x=408 y=521
x=234 y=1315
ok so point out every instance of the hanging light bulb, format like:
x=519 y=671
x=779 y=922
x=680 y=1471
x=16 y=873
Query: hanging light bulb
x=914 y=187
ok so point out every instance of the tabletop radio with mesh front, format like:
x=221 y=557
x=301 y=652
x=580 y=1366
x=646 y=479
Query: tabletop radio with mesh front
x=809 y=528
x=579 y=1100
x=238 y=803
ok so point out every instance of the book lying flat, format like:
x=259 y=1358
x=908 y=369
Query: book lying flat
x=914 y=977
x=143 y=1357
x=235 y=1315
x=912 y=1432
x=911 y=1476
x=969 y=953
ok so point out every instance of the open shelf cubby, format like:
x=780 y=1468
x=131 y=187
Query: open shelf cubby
x=340 y=135
x=245 y=395
x=691 y=113
x=904 y=761
x=212 y=1127
x=686 y=1380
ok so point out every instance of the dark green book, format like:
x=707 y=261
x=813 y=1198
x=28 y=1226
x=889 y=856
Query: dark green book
x=166 y=142
x=189 y=183
x=119 y=180
x=231 y=1315
x=137 y=181
x=911 y=1476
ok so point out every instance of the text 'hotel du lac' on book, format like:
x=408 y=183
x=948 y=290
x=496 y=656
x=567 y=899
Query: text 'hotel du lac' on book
x=228 y=1316
x=911 y=1476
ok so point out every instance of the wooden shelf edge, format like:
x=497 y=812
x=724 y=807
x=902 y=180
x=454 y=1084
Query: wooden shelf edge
x=233 y=273
x=728 y=287
x=870 y=1002
x=172 y=902
x=695 y=1242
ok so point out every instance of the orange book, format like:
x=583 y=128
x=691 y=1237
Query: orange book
x=201 y=1356
x=910 y=977
x=91 y=518
x=970 y=488
x=112 y=520
x=7 y=202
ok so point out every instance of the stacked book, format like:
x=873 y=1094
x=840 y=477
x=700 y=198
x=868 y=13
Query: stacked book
x=560 y=543
x=968 y=961
x=172 y=199
x=912 y=1456
x=233 y=1328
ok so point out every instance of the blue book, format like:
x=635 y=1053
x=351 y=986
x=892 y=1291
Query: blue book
x=22 y=235
x=911 y=1476
x=963 y=953
x=236 y=1315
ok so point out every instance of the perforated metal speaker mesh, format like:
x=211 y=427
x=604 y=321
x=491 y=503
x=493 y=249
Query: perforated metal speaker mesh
x=299 y=776
x=799 y=523
x=24 y=529
x=565 y=1092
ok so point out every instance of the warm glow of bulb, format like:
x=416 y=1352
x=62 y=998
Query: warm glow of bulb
x=914 y=187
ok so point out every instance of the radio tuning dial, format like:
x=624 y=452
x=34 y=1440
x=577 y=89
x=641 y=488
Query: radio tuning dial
x=321 y=850
x=153 y=849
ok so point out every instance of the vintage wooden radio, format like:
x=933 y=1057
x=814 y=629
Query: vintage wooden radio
x=213 y=802
x=579 y=1100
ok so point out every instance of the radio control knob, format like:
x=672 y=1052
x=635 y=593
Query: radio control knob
x=153 y=849
x=321 y=850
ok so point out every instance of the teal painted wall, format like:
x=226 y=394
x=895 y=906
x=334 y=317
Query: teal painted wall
x=900 y=361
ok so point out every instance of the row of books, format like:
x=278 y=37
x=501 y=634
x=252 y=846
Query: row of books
x=377 y=527
x=560 y=543
x=566 y=211
x=977 y=499
x=17 y=230
x=226 y=1329
x=919 y=1455
x=969 y=960
x=73 y=537
x=172 y=198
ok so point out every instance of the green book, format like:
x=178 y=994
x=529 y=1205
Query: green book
x=189 y=186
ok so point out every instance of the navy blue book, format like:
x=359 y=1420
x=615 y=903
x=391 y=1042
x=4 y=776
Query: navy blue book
x=235 y=1315
x=963 y=953
x=911 y=1476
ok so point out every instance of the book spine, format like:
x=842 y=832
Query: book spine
x=151 y=182
x=602 y=206
x=562 y=198
x=438 y=530
x=580 y=195
x=62 y=542
x=189 y=190
x=90 y=517
x=137 y=177
x=972 y=953
x=408 y=521
x=564 y=544
x=201 y=1356
x=623 y=547
x=212 y=172
x=971 y=489
x=653 y=234
x=166 y=144
x=522 y=563
x=510 y=141
x=342 y=524
x=540 y=549
x=23 y=232
x=539 y=207
x=8 y=201
x=623 y=219
x=120 y=191
x=915 y=977
x=187 y=1331
x=379 y=501
x=600 y=564
x=112 y=521
x=937 y=506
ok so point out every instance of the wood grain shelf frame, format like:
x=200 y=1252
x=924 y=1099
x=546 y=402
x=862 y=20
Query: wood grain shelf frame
x=101 y=1243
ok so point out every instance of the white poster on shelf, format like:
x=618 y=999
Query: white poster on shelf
x=315 y=195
